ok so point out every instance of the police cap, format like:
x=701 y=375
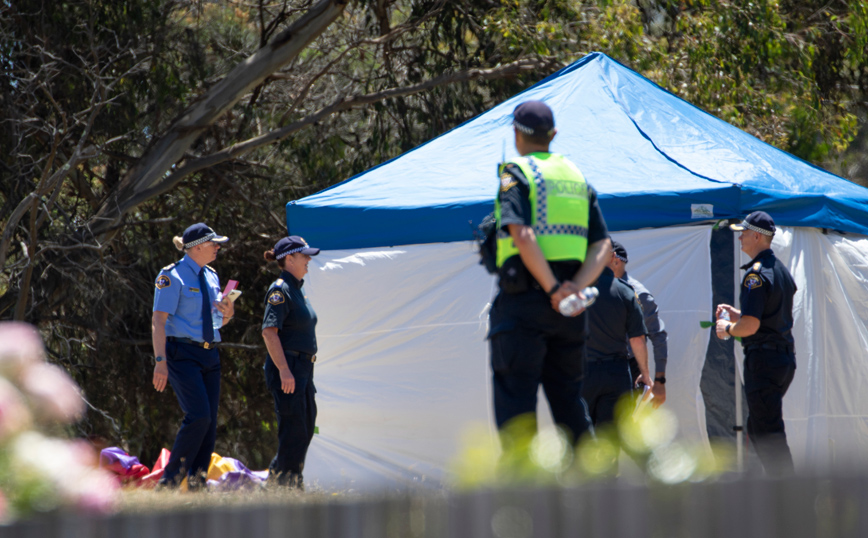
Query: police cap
x=201 y=233
x=758 y=221
x=620 y=251
x=291 y=245
x=534 y=118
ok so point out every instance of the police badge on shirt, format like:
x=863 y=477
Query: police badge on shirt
x=752 y=281
x=276 y=297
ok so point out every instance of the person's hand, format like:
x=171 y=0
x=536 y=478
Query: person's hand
x=659 y=391
x=161 y=375
x=287 y=381
x=734 y=313
x=644 y=380
x=567 y=288
x=720 y=328
x=642 y=383
x=226 y=307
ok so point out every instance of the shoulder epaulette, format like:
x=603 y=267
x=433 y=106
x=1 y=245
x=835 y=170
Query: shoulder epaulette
x=169 y=267
x=211 y=269
x=278 y=282
x=756 y=266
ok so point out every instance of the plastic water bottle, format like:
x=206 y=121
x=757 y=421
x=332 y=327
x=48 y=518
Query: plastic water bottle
x=570 y=304
x=724 y=314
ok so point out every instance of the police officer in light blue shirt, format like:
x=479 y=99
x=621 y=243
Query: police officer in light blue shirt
x=188 y=313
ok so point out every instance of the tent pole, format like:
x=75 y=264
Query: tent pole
x=739 y=427
x=739 y=433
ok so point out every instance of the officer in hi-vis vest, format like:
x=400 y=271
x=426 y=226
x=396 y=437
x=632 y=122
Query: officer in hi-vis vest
x=552 y=242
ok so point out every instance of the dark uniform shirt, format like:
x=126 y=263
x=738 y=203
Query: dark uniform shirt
x=287 y=308
x=767 y=291
x=515 y=209
x=616 y=312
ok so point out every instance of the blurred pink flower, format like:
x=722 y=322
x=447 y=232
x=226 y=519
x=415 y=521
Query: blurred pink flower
x=69 y=467
x=54 y=394
x=20 y=346
x=95 y=491
x=14 y=414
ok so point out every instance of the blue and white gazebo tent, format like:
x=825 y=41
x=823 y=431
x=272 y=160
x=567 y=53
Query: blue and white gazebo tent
x=403 y=369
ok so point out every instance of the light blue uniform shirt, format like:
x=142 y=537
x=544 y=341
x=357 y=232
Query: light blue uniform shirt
x=178 y=295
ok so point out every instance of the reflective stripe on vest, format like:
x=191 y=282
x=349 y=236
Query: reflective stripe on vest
x=560 y=209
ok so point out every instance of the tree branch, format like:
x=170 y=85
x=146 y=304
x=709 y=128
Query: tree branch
x=172 y=146
x=341 y=104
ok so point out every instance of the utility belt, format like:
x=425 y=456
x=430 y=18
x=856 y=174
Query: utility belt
x=299 y=354
x=769 y=346
x=515 y=278
x=190 y=341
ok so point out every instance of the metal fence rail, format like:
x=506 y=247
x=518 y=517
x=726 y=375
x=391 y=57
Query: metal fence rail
x=798 y=507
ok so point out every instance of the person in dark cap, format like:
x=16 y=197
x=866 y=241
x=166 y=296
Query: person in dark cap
x=656 y=327
x=615 y=323
x=552 y=242
x=765 y=325
x=189 y=311
x=289 y=331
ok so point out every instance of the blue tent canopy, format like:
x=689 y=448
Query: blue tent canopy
x=654 y=159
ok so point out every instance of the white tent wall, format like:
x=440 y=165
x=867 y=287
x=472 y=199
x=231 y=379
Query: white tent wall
x=403 y=370
x=826 y=407
x=675 y=265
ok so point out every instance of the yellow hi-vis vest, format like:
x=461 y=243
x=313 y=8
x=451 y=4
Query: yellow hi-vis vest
x=560 y=209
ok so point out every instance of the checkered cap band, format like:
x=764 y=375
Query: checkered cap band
x=527 y=130
x=201 y=240
x=523 y=128
x=622 y=258
x=757 y=229
x=293 y=251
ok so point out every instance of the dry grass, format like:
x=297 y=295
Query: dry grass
x=136 y=500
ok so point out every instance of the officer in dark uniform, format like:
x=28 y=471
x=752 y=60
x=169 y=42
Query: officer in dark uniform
x=615 y=313
x=656 y=328
x=288 y=329
x=765 y=324
x=188 y=312
x=552 y=242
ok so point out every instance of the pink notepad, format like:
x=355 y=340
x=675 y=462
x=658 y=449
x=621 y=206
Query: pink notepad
x=231 y=285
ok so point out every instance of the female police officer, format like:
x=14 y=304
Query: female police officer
x=185 y=329
x=289 y=333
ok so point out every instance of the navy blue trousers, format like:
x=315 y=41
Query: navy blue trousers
x=296 y=417
x=605 y=383
x=194 y=374
x=532 y=344
x=767 y=376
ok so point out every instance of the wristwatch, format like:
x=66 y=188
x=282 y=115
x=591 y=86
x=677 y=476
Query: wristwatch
x=159 y=358
x=554 y=289
x=661 y=380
